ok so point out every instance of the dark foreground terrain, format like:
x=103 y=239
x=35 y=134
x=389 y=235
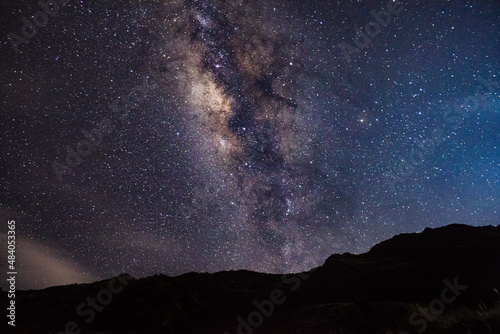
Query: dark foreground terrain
x=444 y=280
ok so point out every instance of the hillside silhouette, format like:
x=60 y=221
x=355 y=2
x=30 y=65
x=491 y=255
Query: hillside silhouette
x=443 y=280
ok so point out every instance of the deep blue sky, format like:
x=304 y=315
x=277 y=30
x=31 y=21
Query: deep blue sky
x=250 y=142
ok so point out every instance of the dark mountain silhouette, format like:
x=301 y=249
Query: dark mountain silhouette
x=443 y=280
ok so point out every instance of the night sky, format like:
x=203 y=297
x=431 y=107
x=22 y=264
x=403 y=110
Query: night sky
x=175 y=136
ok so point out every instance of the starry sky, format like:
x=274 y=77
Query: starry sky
x=175 y=136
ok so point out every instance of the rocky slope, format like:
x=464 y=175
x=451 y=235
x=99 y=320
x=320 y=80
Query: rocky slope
x=443 y=280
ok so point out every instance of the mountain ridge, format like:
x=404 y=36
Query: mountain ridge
x=374 y=292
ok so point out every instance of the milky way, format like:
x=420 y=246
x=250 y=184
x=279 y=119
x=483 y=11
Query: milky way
x=236 y=135
x=242 y=84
